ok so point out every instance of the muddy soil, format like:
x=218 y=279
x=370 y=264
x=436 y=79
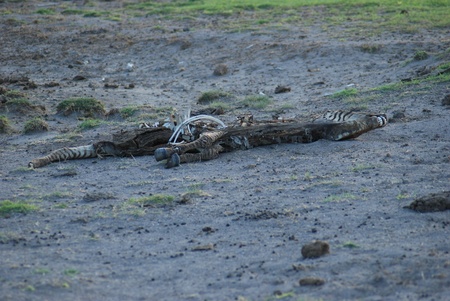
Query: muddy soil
x=237 y=225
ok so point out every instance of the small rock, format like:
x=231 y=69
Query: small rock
x=220 y=70
x=111 y=86
x=431 y=203
x=299 y=267
x=51 y=85
x=79 y=77
x=315 y=249
x=446 y=100
x=311 y=281
x=282 y=89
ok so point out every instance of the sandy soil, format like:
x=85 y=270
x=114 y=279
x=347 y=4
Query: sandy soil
x=240 y=233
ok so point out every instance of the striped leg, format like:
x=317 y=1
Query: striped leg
x=356 y=127
x=177 y=153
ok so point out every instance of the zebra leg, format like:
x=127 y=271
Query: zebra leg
x=355 y=128
x=205 y=141
x=204 y=155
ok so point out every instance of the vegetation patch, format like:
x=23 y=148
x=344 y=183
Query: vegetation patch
x=14 y=94
x=8 y=207
x=20 y=104
x=34 y=125
x=89 y=124
x=71 y=272
x=157 y=200
x=215 y=95
x=45 y=11
x=128 y=111
x=370 y=48
x=421 y=55
x=5 y=127
x=350 y=245
x=257 y=101
x=345 y=93
x=87 y=106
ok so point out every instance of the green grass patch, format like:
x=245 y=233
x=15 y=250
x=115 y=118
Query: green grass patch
x=41 y=271
x=353 y=15
x=94 y=14
x=5 y=125
x=71 y=11
x=219 y=105
x=89 y=124
x=127 y=112
x=19 y=101
x=212 y=96
x=56 y=195
x=421 y=55
x=86 y=105
x=36 y=124
x=15 y=94
x=402 y=196
x=45 y=11
x=350 y=245
x=71 y=272
x=157 y=200
x=345 y=93
x=444 y=66
x=257 y=101
x=8 y=207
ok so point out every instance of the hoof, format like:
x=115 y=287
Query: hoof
x=161 y=154
x=174 y=161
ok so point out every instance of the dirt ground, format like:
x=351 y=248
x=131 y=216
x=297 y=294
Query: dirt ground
x=239 y=232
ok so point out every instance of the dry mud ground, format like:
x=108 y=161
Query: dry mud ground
x=248 y=214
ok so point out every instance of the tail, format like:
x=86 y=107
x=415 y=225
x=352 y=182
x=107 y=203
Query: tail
x=66 y=153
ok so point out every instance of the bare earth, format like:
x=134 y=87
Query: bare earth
x=238 y=235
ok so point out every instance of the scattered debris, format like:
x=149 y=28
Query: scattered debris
x=315 y=249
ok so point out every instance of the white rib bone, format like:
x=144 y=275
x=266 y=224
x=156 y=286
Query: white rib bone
x=178 y=129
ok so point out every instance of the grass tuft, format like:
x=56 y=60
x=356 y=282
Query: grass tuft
x=127 y=112
x=421 y=55
x=210 y=96
x=157 y=200
x=345 y=93
x=34 y=125
x=86 y=105
x=89 y=124
x=8 y=207
x=45 y=11
x=257 y=101
x=5 y=126
x=350 y=245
